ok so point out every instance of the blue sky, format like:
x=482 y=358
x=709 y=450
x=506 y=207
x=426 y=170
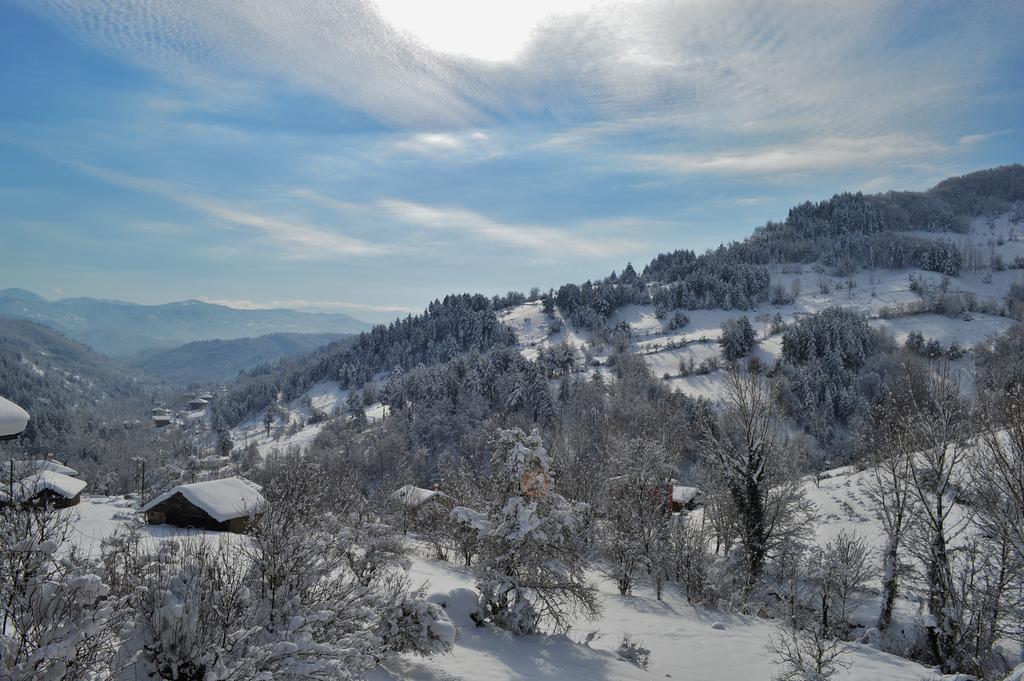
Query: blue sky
x=368 y=158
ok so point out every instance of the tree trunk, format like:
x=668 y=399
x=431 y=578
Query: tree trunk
x=942 y=631
x=890 y=576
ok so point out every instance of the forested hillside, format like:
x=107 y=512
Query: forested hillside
x=447 y=328
x=59 y=380
x=213 y=361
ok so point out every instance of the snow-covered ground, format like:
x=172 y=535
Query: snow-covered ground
x=682 y=640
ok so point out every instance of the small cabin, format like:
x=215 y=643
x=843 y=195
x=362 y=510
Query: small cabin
x=13 y=419
x=46 y=488
x=412 y=501
x=226 y=505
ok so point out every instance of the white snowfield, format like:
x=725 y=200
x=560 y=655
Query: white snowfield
x=58 y=483
x=685 y=642
x=223 y=499
x=13 y=419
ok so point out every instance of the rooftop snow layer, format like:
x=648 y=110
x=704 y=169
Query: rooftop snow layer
x=61 y=484
x=13 y=419
x=221 y=499
x=414 y=497
x=684 y=495
x=28 y=467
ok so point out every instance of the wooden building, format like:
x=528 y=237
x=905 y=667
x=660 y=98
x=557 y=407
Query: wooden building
x=226 y=505
x=45 y=488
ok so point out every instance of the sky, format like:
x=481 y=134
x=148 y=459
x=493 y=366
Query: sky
x=370 y=157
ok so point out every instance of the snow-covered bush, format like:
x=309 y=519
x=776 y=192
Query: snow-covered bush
x=415 y=625
x=531 y=570
x=633 y=651
x=58 y=622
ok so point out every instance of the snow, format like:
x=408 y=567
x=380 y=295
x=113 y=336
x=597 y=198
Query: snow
x=58 y=483
x=13 y=419
x=684 y=495
x=221 y=499
x=967 y=332
x=414 y=497
x=43 y=465
x=685 y=640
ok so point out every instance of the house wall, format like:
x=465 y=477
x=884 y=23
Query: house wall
x=180 y=512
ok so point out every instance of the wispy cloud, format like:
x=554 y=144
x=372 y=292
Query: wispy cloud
x=297 y=238
x=474 y=143
x=810 y=156
x=302 y=304
x=549 y=242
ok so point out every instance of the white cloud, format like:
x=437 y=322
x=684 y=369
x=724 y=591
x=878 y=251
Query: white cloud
x=456 y=145
x=297 y=238
x=825 y=68
x=809 y=156
x=550 y=242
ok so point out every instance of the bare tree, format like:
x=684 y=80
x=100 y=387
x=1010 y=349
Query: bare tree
x=634 y=511
x=939 y=427
x=746 y=447
x=806 y=654
x=844 y=566
x=889 y=489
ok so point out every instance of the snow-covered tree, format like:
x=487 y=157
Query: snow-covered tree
x=309 y=594
x=737 y=339
x=747 y=452
x=531 y=570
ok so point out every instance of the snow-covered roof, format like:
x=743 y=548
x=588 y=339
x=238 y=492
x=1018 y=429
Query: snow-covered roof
x=27 y=467
x=684 y=495
x=13 y=419
x=414 y=497
x=221 y=499
x=61 y=484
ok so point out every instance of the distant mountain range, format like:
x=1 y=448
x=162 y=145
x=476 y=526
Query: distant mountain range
x=120 y=329
x=219 y=360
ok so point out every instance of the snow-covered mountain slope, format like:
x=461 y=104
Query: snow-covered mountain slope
x=291 y=427
x=884 y=296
